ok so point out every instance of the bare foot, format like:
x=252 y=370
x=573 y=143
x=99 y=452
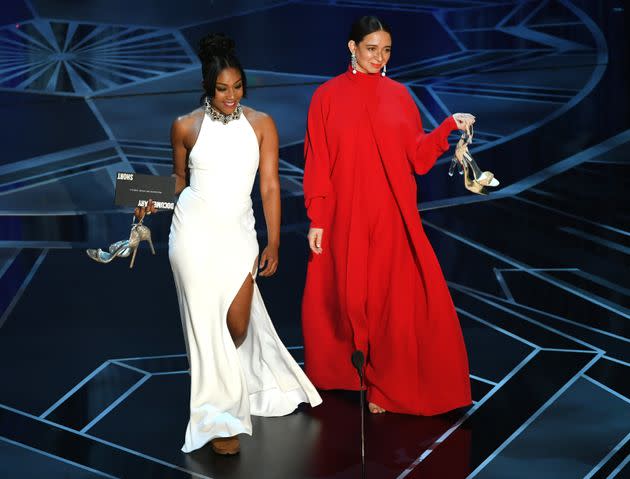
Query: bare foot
x=375 y=409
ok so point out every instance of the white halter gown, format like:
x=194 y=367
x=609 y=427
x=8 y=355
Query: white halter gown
x=212 y=249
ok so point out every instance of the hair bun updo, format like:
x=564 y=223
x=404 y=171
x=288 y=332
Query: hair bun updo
x=216 y=52
x=215 y=45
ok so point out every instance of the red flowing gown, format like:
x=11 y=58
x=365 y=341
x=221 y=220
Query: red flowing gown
x=377 y=286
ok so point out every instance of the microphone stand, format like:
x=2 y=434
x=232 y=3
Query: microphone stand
x=358 y=359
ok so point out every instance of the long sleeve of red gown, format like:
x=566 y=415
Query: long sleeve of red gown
x=317 y=185
x=430 y=146
x=377 y=286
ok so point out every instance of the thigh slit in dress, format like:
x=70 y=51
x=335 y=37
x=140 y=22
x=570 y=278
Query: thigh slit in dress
x=212 y=247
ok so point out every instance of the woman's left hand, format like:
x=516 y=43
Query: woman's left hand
x=268 y=261
x=464 y=121
x=141 y=211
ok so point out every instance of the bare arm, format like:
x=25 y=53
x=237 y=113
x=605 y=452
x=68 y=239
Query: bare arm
x=270 y=193
x=180 y=153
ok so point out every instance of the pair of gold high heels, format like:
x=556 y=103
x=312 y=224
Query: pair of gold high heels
x=122 y=249
x=475 y=180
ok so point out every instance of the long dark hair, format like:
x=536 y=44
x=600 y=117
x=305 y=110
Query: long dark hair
x=216 y=53
x=366 y=25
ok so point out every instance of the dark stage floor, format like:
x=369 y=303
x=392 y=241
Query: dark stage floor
x=93 y=373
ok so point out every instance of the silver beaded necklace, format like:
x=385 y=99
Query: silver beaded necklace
x=216 y=115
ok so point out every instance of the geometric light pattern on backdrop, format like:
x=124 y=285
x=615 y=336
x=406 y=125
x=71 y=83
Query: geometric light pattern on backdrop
x=564 y=60
x=75 y=58
x=504 y=318
x=68 y=57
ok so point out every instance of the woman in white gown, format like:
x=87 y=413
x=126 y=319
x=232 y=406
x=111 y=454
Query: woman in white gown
x=238 y=364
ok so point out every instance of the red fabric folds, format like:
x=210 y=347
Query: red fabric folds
x=377 y=286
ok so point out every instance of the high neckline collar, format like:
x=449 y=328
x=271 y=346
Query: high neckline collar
x=363 y=77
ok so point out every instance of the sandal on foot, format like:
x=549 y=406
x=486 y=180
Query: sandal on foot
x=226 y=446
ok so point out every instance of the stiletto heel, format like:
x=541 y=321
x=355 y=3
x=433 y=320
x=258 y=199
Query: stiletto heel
x=475 y=180
x=139 y=232
x=133 y=257
x=455 y=165
x=151 y=245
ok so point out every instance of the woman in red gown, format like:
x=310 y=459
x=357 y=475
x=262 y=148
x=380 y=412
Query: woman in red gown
x=373 y=282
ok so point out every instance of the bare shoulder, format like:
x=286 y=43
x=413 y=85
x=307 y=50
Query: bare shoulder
x=185 y=128
x=261 y=122
x=189 y=120
x=256 y=116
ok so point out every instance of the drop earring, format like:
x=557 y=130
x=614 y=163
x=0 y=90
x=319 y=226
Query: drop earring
x=384 y=70
x=353 y=61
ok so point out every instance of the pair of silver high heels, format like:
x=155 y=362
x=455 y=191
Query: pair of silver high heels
x=475 y=180
x=122 y=249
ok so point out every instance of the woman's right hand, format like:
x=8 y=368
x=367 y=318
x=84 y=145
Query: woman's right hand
x=315 y=239
x=464 y=121
x=141 y=211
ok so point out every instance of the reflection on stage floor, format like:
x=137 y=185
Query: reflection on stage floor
x=92 y=359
